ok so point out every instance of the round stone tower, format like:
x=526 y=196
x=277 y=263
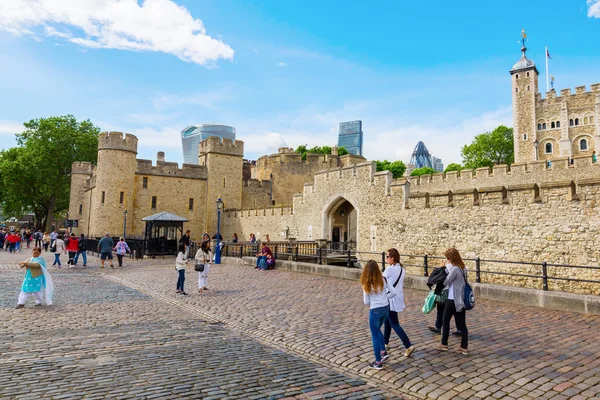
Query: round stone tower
x=114 y=183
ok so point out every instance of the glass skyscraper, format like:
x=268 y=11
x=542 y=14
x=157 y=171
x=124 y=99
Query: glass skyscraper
x=421 y=158
x=193 y=135
x=351 y=137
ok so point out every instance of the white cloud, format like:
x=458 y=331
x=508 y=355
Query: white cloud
x=594 y=8
x=281 y=64
x=8 y=128
x=149 y=25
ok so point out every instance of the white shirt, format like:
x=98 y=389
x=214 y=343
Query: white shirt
x=450 y=286
x=380 y=299
x=180 y=262
x=391 y=273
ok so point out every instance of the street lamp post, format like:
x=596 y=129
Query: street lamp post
x=218 y=245
x=536 y=144
x=271 y=190
x=124 y=222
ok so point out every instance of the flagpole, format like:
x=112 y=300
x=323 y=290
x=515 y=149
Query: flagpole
x=547 y=81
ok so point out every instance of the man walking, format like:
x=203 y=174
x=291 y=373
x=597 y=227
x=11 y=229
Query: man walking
x=105 y=246
x=82 y=251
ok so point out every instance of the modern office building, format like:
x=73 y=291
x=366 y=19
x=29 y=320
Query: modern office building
x=194 y=134
x=351 y=137
x=421 y=158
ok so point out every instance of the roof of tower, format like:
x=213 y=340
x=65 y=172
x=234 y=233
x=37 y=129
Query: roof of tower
x=524 y=62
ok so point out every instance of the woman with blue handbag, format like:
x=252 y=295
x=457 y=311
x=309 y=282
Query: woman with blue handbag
x=455 y=306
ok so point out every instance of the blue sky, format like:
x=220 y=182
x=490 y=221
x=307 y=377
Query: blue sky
x=285 y=73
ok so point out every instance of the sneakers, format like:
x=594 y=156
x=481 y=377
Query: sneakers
x=184 y=294
x=384 y=356
x=441 y=347
x=462 y=351
x=376 y=365
x=38 y=304
x=20 y=306
x=409 y=351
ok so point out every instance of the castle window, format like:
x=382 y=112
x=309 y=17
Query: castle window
x=121 y=197
x=223 y=182
x=191 y=204
x=145 y=182
x=80 y=208
x=528 y=74
x=539 y=127
x=548 y=148
x=517 y=76
x=576 y=121
x=585 y=121
x=591 y=120
x=524 y=136
x=153 y=202
x=583 y=145
x=544 y=125
x=103 y=197
x=516 y=90
x=558 y=124
x=528 y=88
x=571 y=122
x=552 y=125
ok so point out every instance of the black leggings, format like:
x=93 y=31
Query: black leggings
x=120 y=258
x=461 y=324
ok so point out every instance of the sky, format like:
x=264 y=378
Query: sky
x=286 y=73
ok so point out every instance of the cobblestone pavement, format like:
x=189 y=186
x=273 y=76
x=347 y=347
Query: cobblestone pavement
x=105 y=340
x=516 y=352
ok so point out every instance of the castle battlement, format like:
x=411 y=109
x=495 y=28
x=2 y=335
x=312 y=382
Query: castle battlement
x=533 y=173
x=280 y=210
x=225 y=146
x=117 y=141
x=82 y=167
x=164 y=168
x=568 y=93
x=256 y=183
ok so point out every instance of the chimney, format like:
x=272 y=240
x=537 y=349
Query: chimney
x=160 y=156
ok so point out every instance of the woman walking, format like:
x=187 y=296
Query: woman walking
x=394 y=274
x=46 y=241
x=121 y=249
x=72 y=247
x=203 y=257
x=57 y=248
x=455 y=306
x=180 y=264
x=376 y=294
x=37 y=280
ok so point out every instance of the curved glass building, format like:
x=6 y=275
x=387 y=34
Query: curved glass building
x=421 y=158
x=194 y=134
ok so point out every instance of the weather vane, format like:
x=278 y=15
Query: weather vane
x=523 y=37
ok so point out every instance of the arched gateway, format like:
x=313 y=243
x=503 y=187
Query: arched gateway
x=340 y=224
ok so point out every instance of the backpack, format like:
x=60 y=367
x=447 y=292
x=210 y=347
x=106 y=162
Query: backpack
x=53 y=247
x=468 y=295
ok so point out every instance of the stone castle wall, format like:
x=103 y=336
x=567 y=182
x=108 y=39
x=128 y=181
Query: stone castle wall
x=290 y=172
x=525 y=213
x=256 y=194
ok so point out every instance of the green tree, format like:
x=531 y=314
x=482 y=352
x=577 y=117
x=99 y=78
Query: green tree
x=422 y=171
x=35 y=176
x=453 y=167
x=302 y=149
x=397 y=168
x=490 y=148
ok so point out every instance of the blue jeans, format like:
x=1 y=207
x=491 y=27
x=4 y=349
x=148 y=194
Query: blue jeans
x=57 y=259
x=392 y=323
x=376 y=318
x=83 y=254
x=258 y=260
x=181 y=279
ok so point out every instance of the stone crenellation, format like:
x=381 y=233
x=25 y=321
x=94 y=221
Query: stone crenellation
x=162 y=168
x=222 y=146
x=82 y=167
x=117 y=141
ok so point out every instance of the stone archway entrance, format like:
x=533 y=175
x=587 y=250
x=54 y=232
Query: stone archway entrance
x=341 y=225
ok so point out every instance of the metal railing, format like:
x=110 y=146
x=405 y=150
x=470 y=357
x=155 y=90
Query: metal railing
x=544 y=273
